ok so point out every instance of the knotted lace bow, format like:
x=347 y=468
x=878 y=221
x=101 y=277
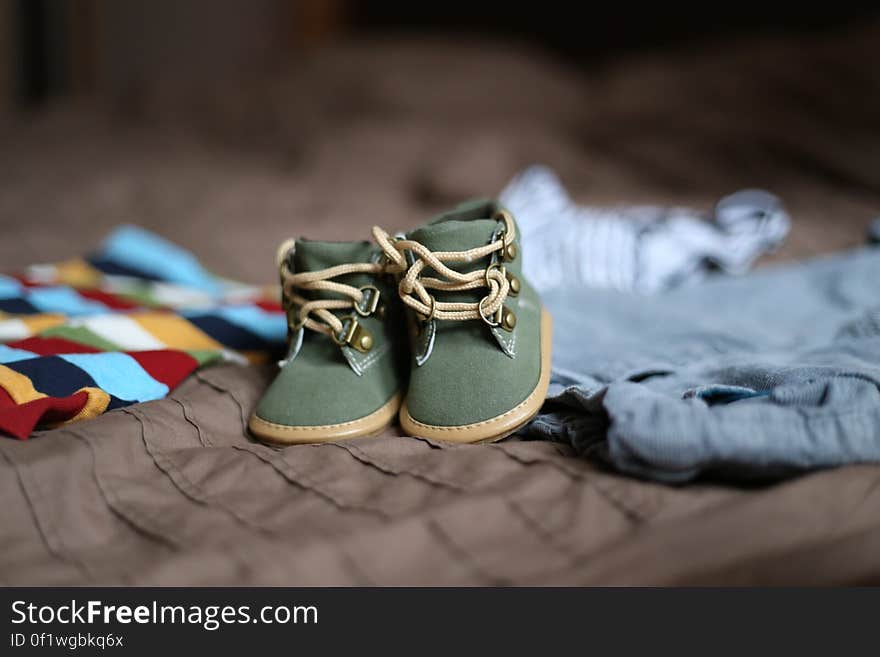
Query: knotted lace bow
x=414 y=287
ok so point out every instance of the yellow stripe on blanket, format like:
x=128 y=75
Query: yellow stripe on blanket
x=41 y=322
x=77 y=273
x=96 y=404
x=19 y=387
x=175 y=332
x=22 y=391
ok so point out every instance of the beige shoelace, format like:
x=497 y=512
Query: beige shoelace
x=315 y=314
x=413 y=288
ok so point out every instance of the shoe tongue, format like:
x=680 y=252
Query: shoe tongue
x=466 y=226
x=314 y=255
x=455 y=235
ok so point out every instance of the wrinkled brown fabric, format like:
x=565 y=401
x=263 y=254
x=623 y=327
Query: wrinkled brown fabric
x=175 y=492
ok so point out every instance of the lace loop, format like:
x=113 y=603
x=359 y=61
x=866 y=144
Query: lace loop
x=316 y=314
x=413 y=287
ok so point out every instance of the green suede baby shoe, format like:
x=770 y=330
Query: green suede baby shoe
x=481 y=347
x=344 y=373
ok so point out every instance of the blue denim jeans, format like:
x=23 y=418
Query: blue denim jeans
x=759 y=376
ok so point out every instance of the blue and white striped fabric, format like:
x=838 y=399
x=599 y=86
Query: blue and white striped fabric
x=636 y=248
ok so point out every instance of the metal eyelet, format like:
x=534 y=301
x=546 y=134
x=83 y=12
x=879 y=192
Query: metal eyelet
x=371 y=296
x=489 y=269
x=508 y=248
x=508 y=252
x=353 y=334
x=503 y=214
x=495 y=321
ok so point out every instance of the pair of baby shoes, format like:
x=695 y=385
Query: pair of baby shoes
x=436 y=327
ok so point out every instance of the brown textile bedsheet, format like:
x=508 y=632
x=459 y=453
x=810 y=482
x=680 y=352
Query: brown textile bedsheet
x=174 y=492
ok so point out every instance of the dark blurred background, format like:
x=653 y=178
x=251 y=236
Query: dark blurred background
x=53 y=48
x=228 y=125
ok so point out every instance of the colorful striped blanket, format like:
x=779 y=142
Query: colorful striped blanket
x=124 y=325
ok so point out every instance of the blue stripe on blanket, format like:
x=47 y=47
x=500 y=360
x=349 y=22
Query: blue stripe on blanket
x=144 y=251
x=119 y=374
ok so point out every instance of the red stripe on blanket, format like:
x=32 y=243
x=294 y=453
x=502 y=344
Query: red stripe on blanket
x=169 y=367
x=52 y=346
x=21 y=419
x=269 y=306
x=27 y=282
x=5 y=400
x=110 y=300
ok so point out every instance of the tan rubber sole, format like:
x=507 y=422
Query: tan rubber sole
x=502 y=425
x=369 y=425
